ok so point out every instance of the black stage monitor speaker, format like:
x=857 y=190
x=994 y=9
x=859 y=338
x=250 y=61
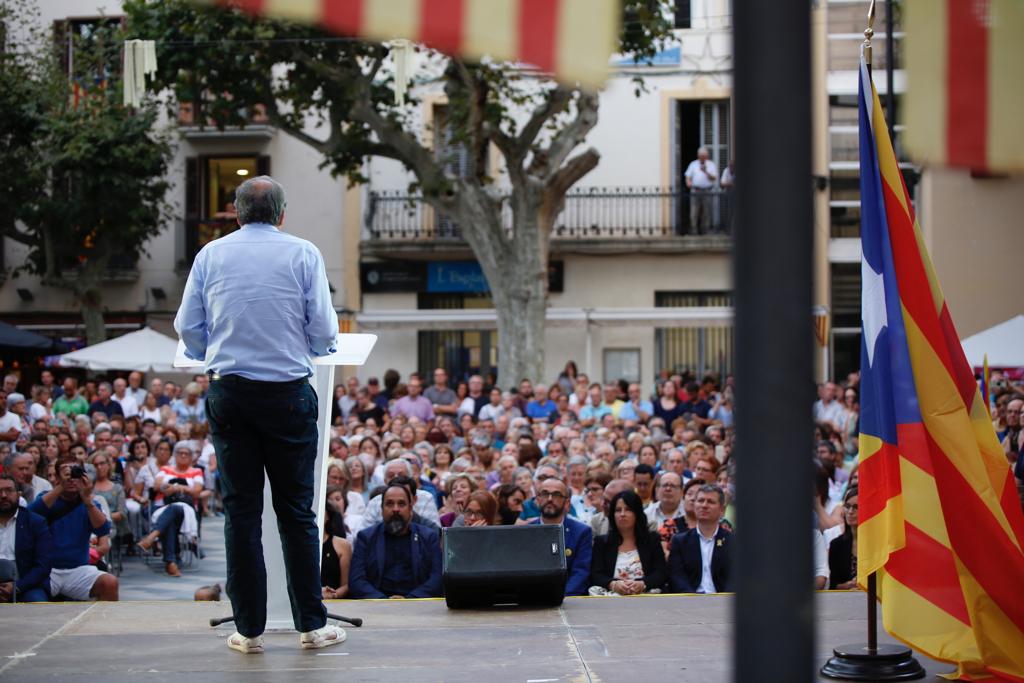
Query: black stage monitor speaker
x=493 y=565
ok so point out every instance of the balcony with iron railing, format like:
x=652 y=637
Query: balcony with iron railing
x=599 y=219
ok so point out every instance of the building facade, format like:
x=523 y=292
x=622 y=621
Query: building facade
x=633 y=294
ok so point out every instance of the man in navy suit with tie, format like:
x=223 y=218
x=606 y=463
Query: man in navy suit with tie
x=700 y=559
x=554 y=501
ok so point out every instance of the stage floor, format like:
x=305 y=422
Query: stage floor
x=648 y=638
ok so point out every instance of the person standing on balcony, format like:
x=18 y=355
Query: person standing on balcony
x=700 y=176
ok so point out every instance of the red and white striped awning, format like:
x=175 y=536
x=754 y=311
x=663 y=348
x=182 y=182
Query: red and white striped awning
x=965 y=83
x=572 y=39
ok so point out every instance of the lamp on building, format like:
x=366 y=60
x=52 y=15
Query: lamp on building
x=25 y=295
x=158 y=293
x=242 y=172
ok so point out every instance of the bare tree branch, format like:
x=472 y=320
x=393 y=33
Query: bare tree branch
x=555 y=102
x=546 y=162
x=567 y=176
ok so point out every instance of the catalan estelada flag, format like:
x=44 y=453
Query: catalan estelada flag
x=939 y=520
x=573 y=39
x=965 y=83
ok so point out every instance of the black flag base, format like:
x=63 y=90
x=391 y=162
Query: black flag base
x=884 y=663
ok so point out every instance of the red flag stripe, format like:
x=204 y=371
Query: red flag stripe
x=538 y=32
x=967 y=83
x=254 y=6
x=978 y=539
x=1009 y=501
x=914 y=288
x=913 y=445
x=879 y=481
x=940 y=583
x=441 y=24
x=343 y=16
x=963 y=375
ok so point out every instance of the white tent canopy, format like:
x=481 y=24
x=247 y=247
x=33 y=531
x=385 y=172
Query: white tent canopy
x=1003 y=343
x=144 y=350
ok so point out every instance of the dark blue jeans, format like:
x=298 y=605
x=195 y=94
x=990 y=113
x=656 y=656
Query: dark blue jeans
x=269 y=427
x=169 y=524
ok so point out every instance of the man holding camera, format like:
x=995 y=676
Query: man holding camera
x=73 y=516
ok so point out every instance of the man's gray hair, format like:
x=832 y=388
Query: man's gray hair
x=260 y=200
x=403 y=462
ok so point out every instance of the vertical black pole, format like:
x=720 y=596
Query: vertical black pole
x=890 y=94
x=774 y=354
x=872 y=613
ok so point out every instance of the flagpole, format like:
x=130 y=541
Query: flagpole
x=869 y=33
x=860 y=662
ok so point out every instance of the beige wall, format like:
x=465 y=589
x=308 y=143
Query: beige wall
x=973 y=229
x=620 y=281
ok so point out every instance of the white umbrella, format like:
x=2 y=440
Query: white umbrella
x=145 y=350
x=1003 y=343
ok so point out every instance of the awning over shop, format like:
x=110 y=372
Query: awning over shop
x=17 y=340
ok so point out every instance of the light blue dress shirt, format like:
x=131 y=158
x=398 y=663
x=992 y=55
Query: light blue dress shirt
x=257 y=304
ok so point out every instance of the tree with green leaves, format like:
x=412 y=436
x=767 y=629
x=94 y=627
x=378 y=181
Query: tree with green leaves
x=230 y=63
x=86 y=174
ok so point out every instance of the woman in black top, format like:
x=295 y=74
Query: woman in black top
x=842 y=551
x=337 y=551
x=668 y=407
x=628 y=560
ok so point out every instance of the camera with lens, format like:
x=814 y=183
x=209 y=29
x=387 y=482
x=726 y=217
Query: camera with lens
x=77 y=471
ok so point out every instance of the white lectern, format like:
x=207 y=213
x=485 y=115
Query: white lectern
x=353 y=349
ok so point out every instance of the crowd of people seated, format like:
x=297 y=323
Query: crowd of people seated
x=643 y=486
x=96 y=472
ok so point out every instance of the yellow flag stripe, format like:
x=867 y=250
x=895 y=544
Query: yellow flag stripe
x=926 y=48
x=1000 y=641
x=586 y=38
x=491 y=27
x=307 y=11
x=946 y=421
x=921 y=502
x=387 y=19
x=936 y=633
x=1006 y=84
x=879 y=536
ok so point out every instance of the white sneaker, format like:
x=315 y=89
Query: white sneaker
x=322 y=637
x=245 y=645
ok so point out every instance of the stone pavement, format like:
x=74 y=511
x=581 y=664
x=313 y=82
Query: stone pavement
x=675 y=638
x=142 y=581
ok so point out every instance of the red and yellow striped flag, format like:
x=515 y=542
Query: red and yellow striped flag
x=939 y=520
x=573 y=39
x=965 y=83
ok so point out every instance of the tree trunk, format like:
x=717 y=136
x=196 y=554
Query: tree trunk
x=95 y=327
x=88 y=294
x=516 y=268
x=520 y=301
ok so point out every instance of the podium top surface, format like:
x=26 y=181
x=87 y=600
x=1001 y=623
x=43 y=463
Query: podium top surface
x=353 y=349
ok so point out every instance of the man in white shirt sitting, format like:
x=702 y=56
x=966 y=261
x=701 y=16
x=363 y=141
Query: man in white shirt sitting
x=669 y=503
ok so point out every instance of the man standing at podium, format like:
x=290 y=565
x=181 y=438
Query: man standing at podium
x=256 y=306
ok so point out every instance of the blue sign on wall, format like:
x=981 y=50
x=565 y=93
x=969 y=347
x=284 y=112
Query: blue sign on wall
x=456 y=276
